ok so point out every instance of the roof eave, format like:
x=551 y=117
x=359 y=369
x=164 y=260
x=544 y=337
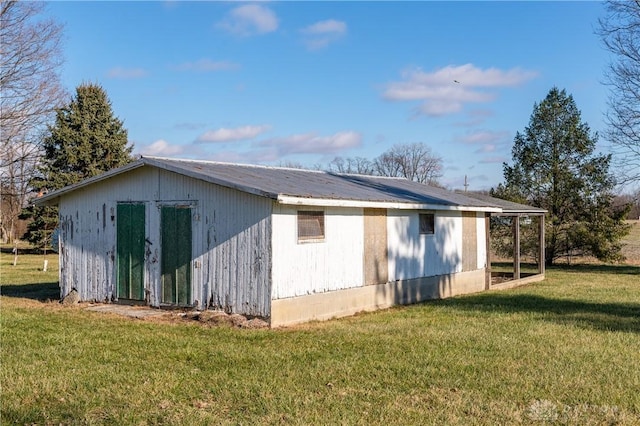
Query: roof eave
x=328 y=202
x=52 y=198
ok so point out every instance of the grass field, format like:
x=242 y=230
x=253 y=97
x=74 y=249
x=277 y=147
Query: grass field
x=563 y=351
x=631 y=243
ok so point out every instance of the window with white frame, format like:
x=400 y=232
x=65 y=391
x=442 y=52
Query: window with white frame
x=310 y=225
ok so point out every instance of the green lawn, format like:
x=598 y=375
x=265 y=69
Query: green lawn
x=563 y=351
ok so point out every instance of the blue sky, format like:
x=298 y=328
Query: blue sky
x=304 y=82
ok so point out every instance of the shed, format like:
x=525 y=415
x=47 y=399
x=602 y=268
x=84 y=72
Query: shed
x=287 y=245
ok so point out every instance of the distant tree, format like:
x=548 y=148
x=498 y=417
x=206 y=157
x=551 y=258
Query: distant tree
x=632 y=200
x=30 y=90
x=620 y=33
x=355 y=165
x=86 y=140
x=555 y=168
x=413 y=161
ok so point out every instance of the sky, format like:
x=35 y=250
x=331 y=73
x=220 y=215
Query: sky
x=280 y=83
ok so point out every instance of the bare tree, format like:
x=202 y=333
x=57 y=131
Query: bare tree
x=413 y=161
x=357 y=165
x=620 y=33
x=30 y=91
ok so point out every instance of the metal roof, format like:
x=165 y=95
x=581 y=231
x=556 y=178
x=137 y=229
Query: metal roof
x=299 y=186
x=508 y=207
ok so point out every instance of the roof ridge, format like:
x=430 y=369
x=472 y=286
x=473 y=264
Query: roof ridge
x=264 y=166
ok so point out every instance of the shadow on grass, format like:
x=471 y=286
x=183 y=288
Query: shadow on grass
x=600 y=316
x=40 y=291
x=598 y=268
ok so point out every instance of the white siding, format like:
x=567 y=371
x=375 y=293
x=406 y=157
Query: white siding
x=230 y=248
x=412 y=255
x=482 y=240
x=317 y=267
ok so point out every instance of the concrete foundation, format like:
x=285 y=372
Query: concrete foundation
x=347 y=302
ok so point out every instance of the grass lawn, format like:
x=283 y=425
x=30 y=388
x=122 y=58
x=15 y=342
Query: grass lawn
x=563 y=351
x=631 y=243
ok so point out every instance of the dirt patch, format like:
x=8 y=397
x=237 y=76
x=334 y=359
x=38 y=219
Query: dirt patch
x=219 y=318
x=204 y=318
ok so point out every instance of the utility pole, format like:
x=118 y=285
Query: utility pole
x=466 y=183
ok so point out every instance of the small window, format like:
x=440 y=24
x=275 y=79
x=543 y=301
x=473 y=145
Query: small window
x=427 y=223
x=310 y=225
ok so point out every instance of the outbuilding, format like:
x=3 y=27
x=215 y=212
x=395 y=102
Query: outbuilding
x=287 y=245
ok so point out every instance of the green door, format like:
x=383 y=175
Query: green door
x=175 y=225
x=130 y=251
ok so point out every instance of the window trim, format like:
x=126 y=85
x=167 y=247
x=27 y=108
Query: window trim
x=311 y=238
x=431 y=218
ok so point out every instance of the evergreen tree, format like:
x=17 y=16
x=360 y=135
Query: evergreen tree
x=555 y=167
x=85 y=140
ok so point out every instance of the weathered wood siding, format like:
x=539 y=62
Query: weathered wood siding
x=231 y=239
x=469 y=241
x=231 y=244
x=317 y=267
x=376 y=259
x=88 y=233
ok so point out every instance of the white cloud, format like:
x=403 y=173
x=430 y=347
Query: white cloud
x=489 y=147
x=483 y=137
x=207 y=65
x=323 y=33
x=231 y=135
x=250 y=19
x=126 y=73
x=330 y=26
x=310 y=143
x=475 y=117
x=447 y=90
x=162 y=148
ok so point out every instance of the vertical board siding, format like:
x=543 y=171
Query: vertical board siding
x=317 y=267
x=376 y=259
x=412 y=255
x=231 y=244
x=231 y=257
x=88 y=233
x=469 y=241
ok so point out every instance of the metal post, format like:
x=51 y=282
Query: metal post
x=541 y=242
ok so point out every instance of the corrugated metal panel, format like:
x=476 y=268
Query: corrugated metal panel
x=317 y=267
x=506 y=206
x=272 y=182
x=412 y=255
